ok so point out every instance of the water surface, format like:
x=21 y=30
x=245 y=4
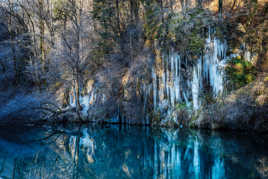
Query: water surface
x=130 y=152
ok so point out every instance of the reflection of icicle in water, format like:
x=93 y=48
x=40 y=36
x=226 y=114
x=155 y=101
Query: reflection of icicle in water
x=155 y=176
x=72 y=141
x=87 y=143
x=167 y=161
x=196 y=160
x=178 y=163
x=218 y=171
x=85 y=140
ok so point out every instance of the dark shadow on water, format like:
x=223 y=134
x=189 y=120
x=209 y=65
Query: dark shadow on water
x=111 y=151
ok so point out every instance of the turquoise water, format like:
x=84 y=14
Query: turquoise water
x=130 y=152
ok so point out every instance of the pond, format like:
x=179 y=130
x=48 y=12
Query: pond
x=129 y=152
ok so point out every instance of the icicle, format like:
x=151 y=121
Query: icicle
x=85 y=103
x=172 y=80
x=216 y=51
x=103 y=98
x=199 y=73
x=145 y=98
x=92 y=97
x=164 y=77
x=196 y=84
x=195 y=89
x=154 y=88
x=163 y=88
x=171 y=85
x=247 y=55
x=71 y=100
x=188 y=104
x=146 y=91
x=167 y=83
x=172 y=97
x=115 y=119
x=155 y=161
x=177 y=79
x=172 y=65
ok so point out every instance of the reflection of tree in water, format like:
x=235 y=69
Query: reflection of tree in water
x=124 y=152
x=53 y=162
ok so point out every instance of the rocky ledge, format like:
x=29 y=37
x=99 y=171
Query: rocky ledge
x=244 y=109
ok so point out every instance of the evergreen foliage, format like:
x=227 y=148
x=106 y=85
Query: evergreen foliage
x=240 y=72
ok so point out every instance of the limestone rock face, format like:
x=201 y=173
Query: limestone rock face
x=163 y=87
x=244 y=109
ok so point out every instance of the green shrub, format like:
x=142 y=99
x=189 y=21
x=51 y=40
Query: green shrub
x=181 y=106
x=240 y=72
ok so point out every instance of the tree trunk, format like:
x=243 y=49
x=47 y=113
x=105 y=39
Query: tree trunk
x=42 y=33
x=12 y=39
x=118 y=18
x=220 y=9
x=77 y=98
x=134 y=9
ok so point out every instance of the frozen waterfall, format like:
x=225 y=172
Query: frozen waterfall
x=177 y=83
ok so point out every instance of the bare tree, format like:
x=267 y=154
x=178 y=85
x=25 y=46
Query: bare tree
x=75 y=48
